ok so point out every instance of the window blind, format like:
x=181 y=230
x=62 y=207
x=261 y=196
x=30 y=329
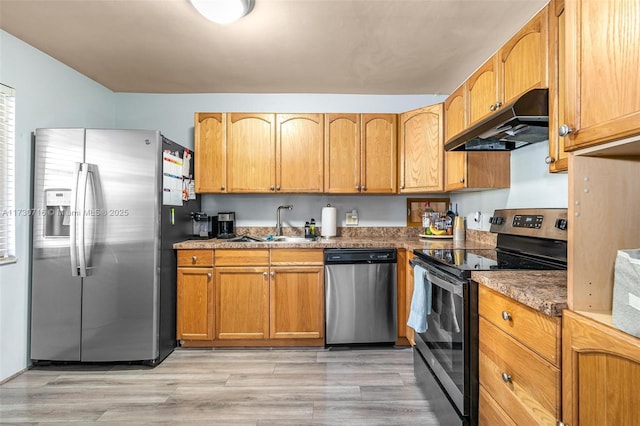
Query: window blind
x=7 y=173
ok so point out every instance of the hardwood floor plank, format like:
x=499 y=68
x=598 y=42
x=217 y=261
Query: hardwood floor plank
x=239 y=386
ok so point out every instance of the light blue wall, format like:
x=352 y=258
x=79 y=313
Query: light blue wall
x=48 y=94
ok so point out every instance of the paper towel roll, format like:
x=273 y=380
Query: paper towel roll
x=329 y=217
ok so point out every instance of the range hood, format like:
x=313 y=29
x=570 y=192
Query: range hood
x=513 y=126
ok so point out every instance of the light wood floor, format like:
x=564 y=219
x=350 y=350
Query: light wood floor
x=226 y=386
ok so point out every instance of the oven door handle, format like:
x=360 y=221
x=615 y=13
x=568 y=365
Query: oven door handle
x=454 y=286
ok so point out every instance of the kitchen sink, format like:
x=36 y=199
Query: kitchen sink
x=271 y=239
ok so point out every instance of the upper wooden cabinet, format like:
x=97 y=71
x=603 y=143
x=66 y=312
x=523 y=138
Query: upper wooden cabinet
x=246 y=152
x=210 y=162
x=421 y=150
x=465 y=170
x=519 y=66
x=523 y=60
x=360 y=153
x=602 y=57
x=299 y=152
x=558 y=159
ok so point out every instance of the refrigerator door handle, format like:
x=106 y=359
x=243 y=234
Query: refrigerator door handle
x=73 y=238
x=84 y=177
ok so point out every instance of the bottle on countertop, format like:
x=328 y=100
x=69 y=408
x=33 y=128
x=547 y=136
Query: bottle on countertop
x=307 y=230
x=312 y=228
x=426 y=218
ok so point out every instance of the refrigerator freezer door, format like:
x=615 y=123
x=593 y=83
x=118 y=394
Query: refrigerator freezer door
x=121 y=246
x=55 y=293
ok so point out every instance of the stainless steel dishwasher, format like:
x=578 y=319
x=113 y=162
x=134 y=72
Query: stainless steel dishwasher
x=361 y=296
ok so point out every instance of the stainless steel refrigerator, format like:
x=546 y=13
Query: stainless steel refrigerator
x=103 y=266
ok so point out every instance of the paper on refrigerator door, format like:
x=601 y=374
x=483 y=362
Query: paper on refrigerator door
x=171 y=179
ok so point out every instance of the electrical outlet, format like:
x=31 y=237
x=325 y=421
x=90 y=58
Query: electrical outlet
x=352 y=219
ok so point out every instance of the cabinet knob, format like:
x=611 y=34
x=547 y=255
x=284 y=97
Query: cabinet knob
x=506 y=316
x=209 y=275
x=272 y=273
x=549 y=159
x=222 y=187
x=492 y=107
x=357 y=187
x=506 y=377
x=461 y=180
x=564 y=130
x=264 y=274
x=194 y=258
x=272 y=188
x=364 y=188
x=278 y=188
x=498 y=104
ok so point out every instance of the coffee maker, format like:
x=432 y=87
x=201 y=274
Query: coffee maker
x=226 y=225
x=202 y=225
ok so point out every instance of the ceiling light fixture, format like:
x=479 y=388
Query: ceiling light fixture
x=223 y=11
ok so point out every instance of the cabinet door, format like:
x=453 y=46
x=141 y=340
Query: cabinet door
x=194 y=304
x=558 y=159
x=242 y=303
x=251 y=152
x=601 y=372
x=482 y=91
x=300 y=153
x=602 y=55
x=378 y=154
x=210 y=162
x=421 y=150
x=342 y=153
x=454 y=123
x=523 y=60
x=296 y=299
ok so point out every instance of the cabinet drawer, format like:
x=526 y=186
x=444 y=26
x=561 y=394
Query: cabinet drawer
x=195 y=257
x=490 y=413
x=297 y=256
x=538 y=331
x=525 y=385
x=242 y=257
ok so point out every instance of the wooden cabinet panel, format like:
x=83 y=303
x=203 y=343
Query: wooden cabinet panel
x=602 y=56
x=210 y=162
x=194 y=312
x=294 y=257
x=378 y=154
x=523 y=60
x=251 y=152
x=482 y=91
x=421 y=150
x=296 y=299
x=455 y=119
x=299 y=153
x=558 y=159
x=241 y=303
x=489 y=411
x=601 y=372
x=360 y=153
x=242 y=257
x=195 y=257
x=342 y=153
x=526 y=386
x=538 y=331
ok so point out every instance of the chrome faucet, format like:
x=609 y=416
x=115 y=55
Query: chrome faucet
x=278 y=222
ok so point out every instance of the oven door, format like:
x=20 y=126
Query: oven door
x=446 y=345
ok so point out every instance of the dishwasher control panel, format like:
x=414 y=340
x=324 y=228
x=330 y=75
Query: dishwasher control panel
x=351 y=255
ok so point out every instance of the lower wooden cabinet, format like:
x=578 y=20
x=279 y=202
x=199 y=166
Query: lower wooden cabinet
x=519 y=370
x=261 y=297
x=601 y=373
x=195 y=304
x=194 y=311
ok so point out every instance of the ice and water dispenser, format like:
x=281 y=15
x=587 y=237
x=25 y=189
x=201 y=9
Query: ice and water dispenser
x=57 y=219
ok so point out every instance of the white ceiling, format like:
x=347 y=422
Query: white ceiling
x=282 y=46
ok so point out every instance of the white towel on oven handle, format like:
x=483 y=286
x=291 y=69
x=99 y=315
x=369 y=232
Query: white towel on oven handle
x=420 y=301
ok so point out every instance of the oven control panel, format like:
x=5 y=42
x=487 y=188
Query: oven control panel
x=527 y=221
x=542 y=222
